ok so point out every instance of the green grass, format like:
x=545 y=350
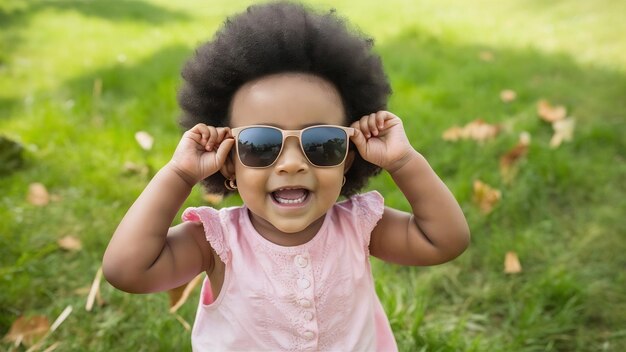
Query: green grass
x=563 y=214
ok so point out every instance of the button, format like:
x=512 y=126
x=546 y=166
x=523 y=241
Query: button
x=304 y=283
x=305 y=303
x=308 y=316
x=301 y=261
x=309 y=335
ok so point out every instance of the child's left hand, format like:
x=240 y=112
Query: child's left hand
x=381 y=140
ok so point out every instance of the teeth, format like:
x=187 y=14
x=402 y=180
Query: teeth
x=290 y=201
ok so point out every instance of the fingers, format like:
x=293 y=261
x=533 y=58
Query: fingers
x=373 y=124
x=223 y=150
x=208 y=137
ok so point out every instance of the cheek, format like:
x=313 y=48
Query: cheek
x=250 y=181
x=331 y=179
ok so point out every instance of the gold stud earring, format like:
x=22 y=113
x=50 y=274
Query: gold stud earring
x=230 y=184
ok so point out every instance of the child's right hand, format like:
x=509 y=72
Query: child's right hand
x=201 y=152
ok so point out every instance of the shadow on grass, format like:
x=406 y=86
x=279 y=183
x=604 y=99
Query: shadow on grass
x=17 y=15
x=120 y=10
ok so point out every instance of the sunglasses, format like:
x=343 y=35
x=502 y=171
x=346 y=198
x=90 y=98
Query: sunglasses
x=260 y=146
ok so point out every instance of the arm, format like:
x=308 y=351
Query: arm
x=436 y=231
x=145 y=254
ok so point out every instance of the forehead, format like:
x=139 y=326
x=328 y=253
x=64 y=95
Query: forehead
x=287 y=100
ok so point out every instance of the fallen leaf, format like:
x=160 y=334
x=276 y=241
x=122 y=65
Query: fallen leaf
x=480 y=131
x=27 y=330
x=38 y=194
x=144 y=139
x=453 y=134
x=486 y=56
x=550 y=113
x=212 y=198
x=508 y=161
x=508 y=95
x=70 y=243
x=179 y=295
x=477 y=130
x=59 y=320
x=563 y=131
x=485 y=196
x=133 y=168
x=511 y=263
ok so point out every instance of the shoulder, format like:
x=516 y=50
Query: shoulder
x=364 y=208
x=363 y=201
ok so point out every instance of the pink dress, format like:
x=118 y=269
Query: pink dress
x=318 y=296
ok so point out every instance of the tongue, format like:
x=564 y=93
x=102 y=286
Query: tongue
x=290 y=193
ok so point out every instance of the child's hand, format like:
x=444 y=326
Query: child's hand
x=381 y=140
x=201 y=152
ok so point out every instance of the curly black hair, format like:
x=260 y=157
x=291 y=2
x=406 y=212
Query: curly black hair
x=284 y=37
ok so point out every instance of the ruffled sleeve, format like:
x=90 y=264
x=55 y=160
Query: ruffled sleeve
x=369 y=209
x=213 y=232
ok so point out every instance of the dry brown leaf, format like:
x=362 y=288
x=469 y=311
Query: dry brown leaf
x=28 y=330
x=70 y=243
x=59 y=320
x=481 y=131
x=485 y=196
x=212 y=198
x=133 y=168
x=563 y=131
x=477 y=130
x=144 y=139
x=550 y=113
x=179 y=295
x=508 y=161
x=511 y=263
x=453 y=134
x=38 y=194
x=486 y=56
x=508 y=95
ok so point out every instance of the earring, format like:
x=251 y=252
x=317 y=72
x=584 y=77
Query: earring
x=230 y=184
x=343 y=182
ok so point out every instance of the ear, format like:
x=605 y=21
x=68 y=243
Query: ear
x=349 y=160
x=228 y=168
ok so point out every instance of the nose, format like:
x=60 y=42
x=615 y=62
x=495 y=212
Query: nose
x=291 y=159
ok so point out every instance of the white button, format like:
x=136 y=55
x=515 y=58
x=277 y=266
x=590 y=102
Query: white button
x=304 y=283
x=309 y=335
x=308 y=316
x=305 y=303
x=301 y=261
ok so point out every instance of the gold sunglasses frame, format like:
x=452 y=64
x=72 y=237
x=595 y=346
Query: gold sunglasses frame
x=291 y=133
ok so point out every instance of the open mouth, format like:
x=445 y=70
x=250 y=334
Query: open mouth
x=290 y=196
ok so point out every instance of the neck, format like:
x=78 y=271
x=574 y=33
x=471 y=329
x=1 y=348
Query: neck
x=274 y=235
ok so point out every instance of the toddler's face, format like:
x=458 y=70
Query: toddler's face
x=289 y=199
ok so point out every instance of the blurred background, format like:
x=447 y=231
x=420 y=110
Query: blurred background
x=520 y=107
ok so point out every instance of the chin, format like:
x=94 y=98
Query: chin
x=291 y=228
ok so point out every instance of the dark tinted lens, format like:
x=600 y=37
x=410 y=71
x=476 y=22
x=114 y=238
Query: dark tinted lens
x=259 y=146
x=325 y=146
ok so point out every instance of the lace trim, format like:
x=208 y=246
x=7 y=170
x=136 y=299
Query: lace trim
x=210 y=219
x=369 y=210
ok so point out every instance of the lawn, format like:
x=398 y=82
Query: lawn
x=78 y=79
